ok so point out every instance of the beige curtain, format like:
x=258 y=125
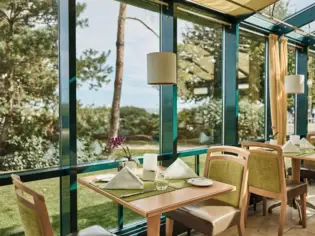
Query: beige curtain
x=278 y=97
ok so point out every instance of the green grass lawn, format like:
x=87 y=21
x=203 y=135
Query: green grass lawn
x=93 y=208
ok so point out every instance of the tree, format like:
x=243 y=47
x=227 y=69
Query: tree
x=199 y=62
x=29 y=79
x=120 y=47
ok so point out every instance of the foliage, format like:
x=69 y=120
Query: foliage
x=280 y=9
x=29 y=79
x=207 y=118
x=199 y=62
x=251 y=118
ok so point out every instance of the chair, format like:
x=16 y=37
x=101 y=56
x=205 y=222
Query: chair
x=34 y=214
x=267 y=178
x=224 y=164
x=308 y=169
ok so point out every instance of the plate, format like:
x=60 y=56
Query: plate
x=104 y=178
x=201 y=182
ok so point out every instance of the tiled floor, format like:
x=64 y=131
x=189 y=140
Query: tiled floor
x=268 y=225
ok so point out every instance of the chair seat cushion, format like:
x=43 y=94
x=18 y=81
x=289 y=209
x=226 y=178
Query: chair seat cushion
x=209 y=217
x=94 y=230
x=295 y=188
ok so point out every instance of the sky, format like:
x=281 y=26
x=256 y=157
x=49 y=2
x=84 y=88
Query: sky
x=101 y=35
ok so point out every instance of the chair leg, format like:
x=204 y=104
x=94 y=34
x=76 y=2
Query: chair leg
x=241 y=228
x=303 y=209
x=169 y=226
x=246 y=209
x=282 y=217
x=264 y=206
x=298 y=207
x=273 y=206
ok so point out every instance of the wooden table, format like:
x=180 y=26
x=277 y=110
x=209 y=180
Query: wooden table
x=153 y=207
x=296 y=163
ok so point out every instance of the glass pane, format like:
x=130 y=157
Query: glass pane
x=285 y=8
x=309 y=28
x=251 y=86
x=311 y=92
x=291 y=97
x=10 y=223
x=113 y=97
x=199 y=84
x=28 y=85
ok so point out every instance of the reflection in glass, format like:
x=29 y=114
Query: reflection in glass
x=251 y=79
x=199 y=84
x=311 y=92
x=291 y=97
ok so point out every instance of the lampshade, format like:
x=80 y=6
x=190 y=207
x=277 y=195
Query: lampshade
x=161 y=68
x=294 y=84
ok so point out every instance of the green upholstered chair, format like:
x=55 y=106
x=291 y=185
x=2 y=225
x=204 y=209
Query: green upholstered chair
x=34 y=214
x=267 y=178
x=224 y=164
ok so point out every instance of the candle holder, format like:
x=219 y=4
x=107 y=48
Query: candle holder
x=149 y=166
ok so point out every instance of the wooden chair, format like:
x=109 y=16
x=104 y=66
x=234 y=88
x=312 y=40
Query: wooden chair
x=224 y=164
x=308 y=169
x=34 y=214
x=267 y=178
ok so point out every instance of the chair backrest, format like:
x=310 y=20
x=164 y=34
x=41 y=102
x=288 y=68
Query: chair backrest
x=311 y=138
x=266 y=170
x=32 y=208
x=229 y=165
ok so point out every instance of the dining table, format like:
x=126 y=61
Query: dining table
x=296 y=159
x=152 y=207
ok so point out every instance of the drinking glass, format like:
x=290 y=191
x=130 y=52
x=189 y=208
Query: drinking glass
x=160 y=182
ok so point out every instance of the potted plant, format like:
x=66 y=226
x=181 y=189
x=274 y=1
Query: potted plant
x=127 y=159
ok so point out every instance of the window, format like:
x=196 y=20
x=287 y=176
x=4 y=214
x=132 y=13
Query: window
x=311 y=92
x=251 y=86
x=28 y=85
x=10 y=223
x=199 y=51
x=113 y=97
x=291 y=97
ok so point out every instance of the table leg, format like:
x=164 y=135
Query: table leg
x=154 y=225
x=296 y=168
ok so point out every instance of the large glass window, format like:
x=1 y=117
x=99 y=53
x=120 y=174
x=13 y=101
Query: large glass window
x=113 y=97
x=251 y=86
x=291 y=97
x=10 y=223
x=311 y=92
x=28 y=85
x=199 y=51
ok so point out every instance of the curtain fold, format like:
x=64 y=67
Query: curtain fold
x=278 y=98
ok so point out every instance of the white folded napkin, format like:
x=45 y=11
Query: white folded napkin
x=179 y=170
x=306 y=144
x=290 y=147
x=125 y=179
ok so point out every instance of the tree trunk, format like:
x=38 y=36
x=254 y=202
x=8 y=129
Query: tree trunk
x=115 y=111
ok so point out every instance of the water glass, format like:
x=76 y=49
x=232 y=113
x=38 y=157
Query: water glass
x=161 y=183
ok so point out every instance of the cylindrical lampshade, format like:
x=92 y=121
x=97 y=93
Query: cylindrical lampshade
x=161 y=68
x=294 y=84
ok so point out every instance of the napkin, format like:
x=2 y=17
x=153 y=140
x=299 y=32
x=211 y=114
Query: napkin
x=290 y=147
x=179 y=170
x=306 y=144
x=125 y=179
